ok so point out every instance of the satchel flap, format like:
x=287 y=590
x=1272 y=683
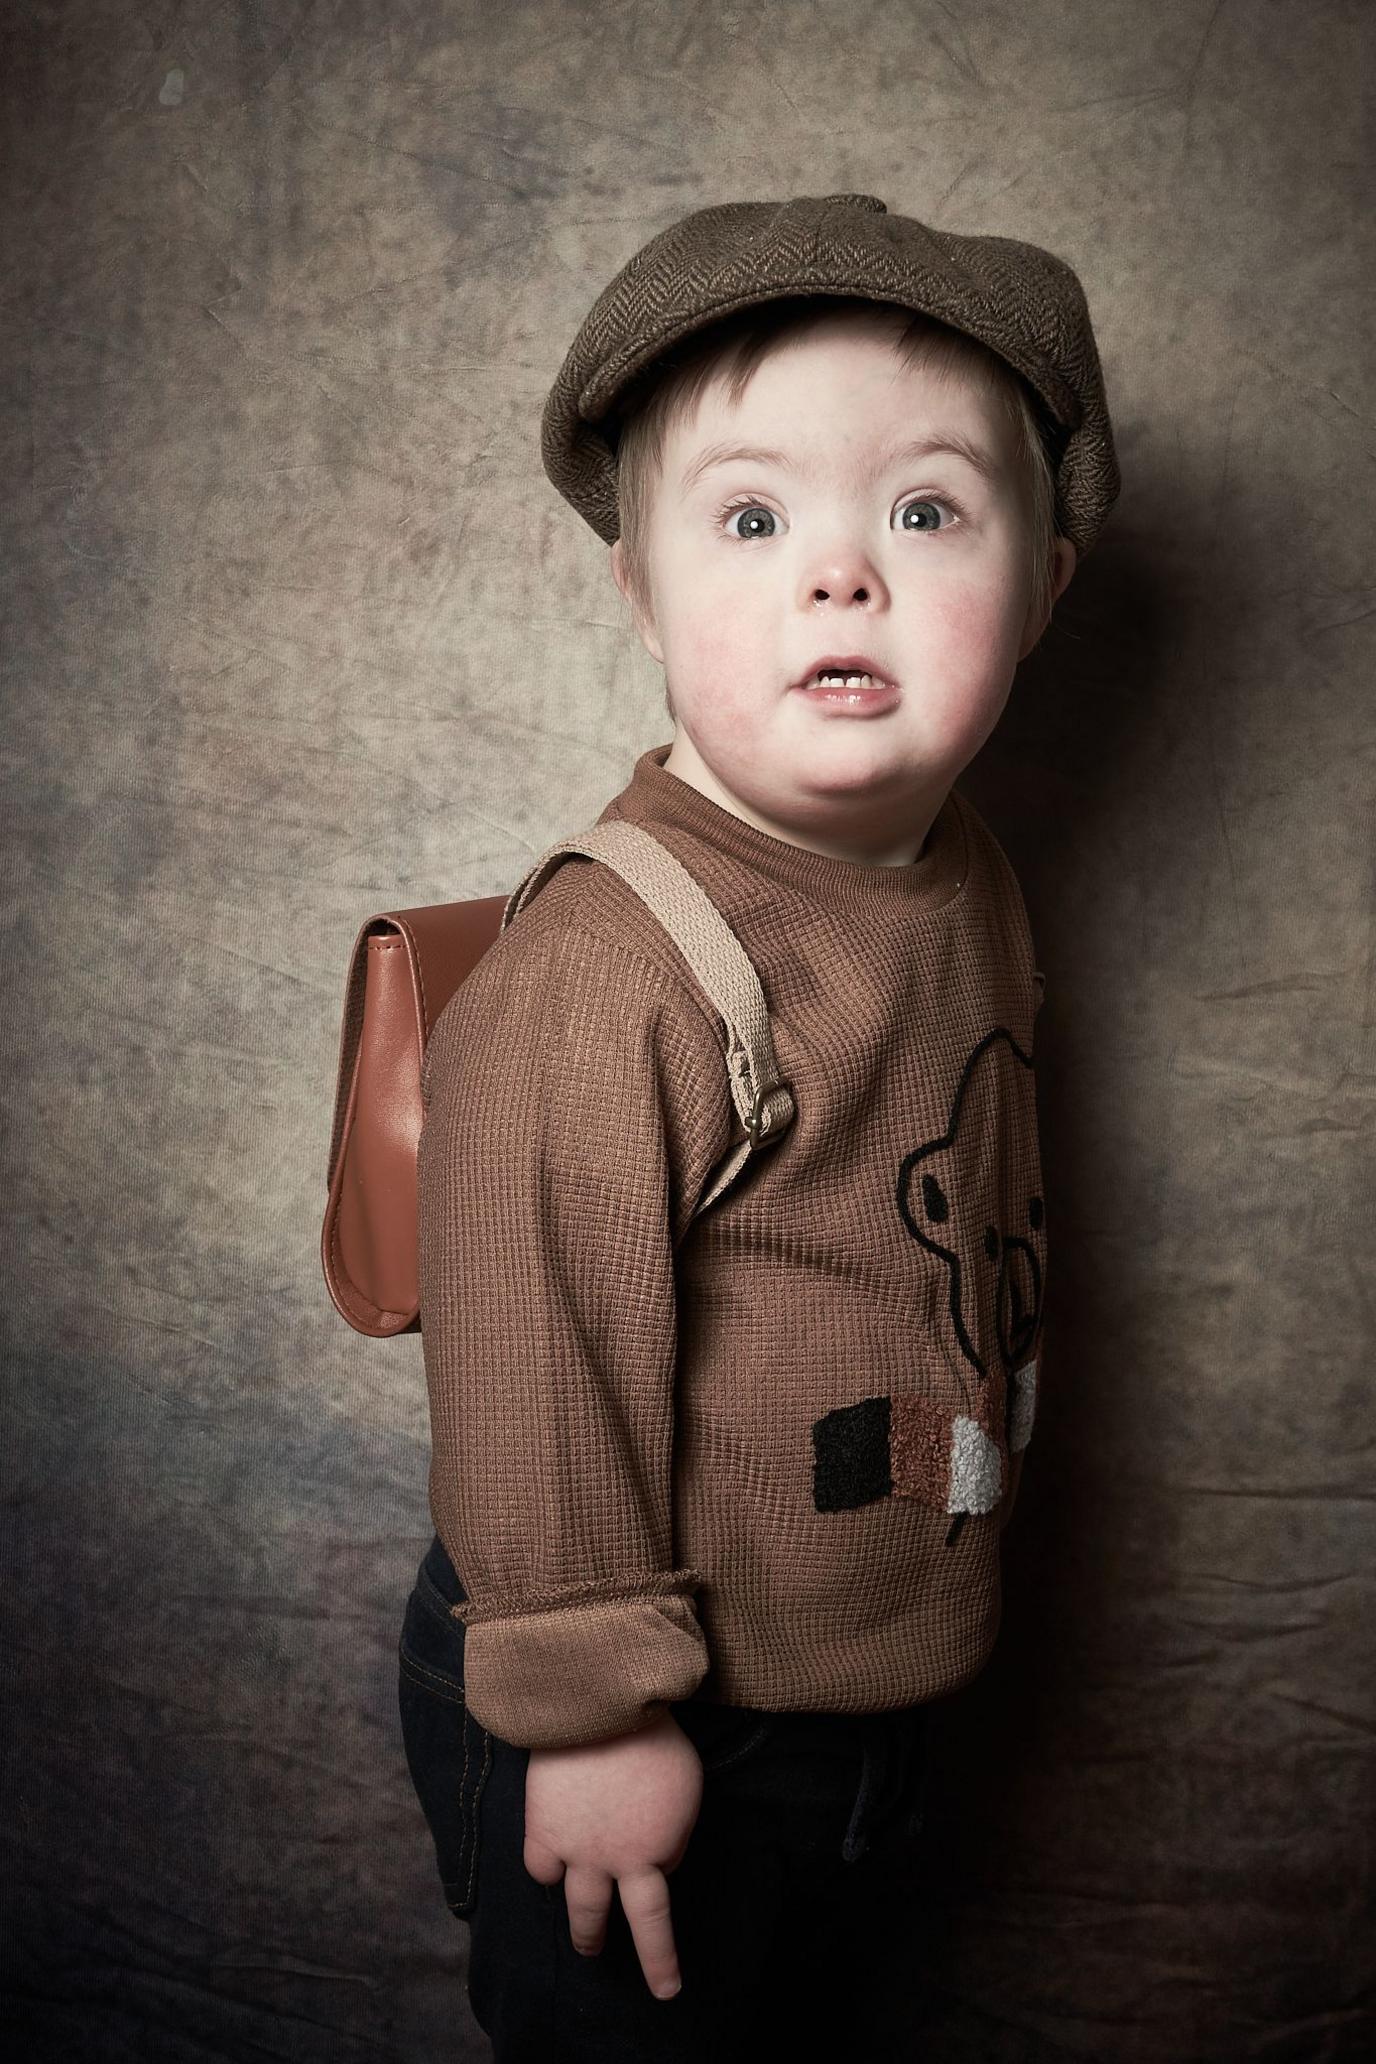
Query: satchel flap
x=405 y=966
x=449 y=940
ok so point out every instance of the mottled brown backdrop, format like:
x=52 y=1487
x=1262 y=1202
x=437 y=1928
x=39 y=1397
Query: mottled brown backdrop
x=297 y=630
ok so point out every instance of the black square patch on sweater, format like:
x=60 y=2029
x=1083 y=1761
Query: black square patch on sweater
x=851 y=1456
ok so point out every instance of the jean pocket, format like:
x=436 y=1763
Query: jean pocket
x=901 y=1838
x=724 y=1736
x=448 y=1753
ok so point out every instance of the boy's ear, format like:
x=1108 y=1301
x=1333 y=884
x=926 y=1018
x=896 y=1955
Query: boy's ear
x=645 y=629
x=1066 y=558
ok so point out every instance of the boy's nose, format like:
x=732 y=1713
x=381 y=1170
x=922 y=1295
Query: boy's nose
x=845 y=574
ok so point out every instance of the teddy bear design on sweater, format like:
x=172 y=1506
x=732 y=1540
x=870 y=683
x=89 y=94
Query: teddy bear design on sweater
x=911 y=1446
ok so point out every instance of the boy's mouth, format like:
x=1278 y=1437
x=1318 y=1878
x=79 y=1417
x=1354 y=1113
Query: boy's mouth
x=850 y=684
x=854 y=670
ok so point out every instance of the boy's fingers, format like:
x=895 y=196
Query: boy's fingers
x=645 y=1901
x=588 y=1896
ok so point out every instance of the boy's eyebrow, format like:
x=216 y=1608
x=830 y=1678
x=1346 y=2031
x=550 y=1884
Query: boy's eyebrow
x=952 y=442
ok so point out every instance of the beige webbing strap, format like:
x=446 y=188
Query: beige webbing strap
x=721 y=964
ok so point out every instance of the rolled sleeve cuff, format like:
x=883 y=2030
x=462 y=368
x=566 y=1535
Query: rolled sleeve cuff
x=591 y=1664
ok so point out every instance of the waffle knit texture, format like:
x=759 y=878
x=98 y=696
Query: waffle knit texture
x=755 y=1456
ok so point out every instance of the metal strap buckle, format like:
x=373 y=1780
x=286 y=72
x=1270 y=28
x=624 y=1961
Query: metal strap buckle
x=752 y=1123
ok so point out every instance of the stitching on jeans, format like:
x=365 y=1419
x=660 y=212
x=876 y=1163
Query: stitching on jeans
x=744 y=1750
x=432 y=1680
x=433 y=1599
x=468 y=1801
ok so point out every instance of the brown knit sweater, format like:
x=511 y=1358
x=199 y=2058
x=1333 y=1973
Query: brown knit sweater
x=756 y=1457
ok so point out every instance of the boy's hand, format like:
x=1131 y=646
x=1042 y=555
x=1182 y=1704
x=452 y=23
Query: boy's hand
x=616 y=1812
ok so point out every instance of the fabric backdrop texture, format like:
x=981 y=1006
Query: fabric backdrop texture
x=296 y=630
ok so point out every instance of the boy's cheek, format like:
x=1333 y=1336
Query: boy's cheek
x=953 y=709
x=978 y=628
x=963 y=672
x=718 y=674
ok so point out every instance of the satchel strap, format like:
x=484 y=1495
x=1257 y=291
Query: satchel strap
x=720 y=963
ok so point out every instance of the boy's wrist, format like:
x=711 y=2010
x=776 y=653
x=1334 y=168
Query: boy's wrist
x=660 y=1721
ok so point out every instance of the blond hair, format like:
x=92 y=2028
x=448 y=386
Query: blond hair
x=668 y=392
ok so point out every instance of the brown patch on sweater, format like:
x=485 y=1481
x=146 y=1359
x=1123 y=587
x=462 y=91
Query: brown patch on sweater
x=920 y=1450
x=920 y=1435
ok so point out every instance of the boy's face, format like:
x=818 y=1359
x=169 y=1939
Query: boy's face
x=919 y=563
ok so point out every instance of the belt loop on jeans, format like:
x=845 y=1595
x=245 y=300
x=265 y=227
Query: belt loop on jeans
x=856 y=1839
x=888 y=1743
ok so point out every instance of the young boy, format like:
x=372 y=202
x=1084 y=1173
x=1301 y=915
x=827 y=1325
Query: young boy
x=725 y=1489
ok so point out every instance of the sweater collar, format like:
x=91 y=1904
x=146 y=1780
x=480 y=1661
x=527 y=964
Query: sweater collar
x=654 y=796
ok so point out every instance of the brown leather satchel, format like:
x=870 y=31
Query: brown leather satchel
x=405 y=966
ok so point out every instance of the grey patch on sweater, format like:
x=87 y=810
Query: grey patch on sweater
x=976 y=1471
x=1024 y=1407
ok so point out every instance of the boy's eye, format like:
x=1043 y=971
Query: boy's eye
x=762 y=522
x=757 y=515
x=922 y=508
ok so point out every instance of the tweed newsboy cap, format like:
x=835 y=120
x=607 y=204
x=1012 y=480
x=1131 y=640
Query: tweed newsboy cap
x=1021 y=301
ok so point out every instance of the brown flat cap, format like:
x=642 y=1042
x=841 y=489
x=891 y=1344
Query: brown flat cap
x=1023 y=302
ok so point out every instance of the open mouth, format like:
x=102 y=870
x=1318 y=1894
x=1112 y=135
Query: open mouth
x=847 y=673
x=850 y=687
x=835 y=677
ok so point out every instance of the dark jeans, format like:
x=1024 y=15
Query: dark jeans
x=797 y=1909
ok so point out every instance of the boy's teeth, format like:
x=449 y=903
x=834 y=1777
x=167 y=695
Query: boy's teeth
x=850 y=680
